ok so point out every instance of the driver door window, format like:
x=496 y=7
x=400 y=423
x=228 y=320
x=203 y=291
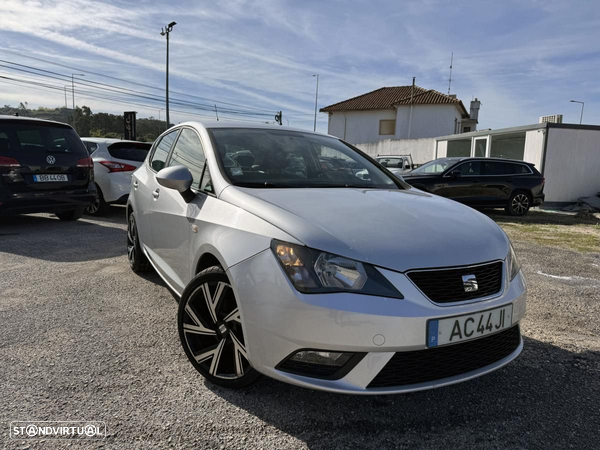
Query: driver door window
x=188 y=152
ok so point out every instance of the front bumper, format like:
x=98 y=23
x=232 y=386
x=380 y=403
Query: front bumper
x=46 y=201
x=278 y=320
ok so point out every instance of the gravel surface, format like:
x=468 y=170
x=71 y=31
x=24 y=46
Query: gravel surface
x=82 y=337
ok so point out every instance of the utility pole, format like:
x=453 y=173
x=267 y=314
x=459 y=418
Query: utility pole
x=582 y=105
x=216 y=113
x=316 y=100
x=450 y=77
x=73 y=86
x=412 y=93
x=65 y=97
x=278 y=118
x=165 y=32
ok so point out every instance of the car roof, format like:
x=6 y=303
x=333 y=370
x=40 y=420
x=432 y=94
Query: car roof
x=483 y=158
x=214 y=124
x=32 y=119
x=111 y=140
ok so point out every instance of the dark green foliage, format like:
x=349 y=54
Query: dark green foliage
x=88 y=124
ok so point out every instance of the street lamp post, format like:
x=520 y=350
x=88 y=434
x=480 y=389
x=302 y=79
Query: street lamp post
x=316 y=101
x=165 y=32
x=73 y=86
x=582 y=104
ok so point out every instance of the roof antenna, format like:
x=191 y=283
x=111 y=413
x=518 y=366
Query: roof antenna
x=450 y=77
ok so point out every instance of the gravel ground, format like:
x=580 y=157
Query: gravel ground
x=85 y=338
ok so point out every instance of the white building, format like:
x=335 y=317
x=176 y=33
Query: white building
x=568 y=155
x=400 y=112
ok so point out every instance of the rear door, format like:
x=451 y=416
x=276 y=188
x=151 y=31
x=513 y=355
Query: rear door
x=40 y=156
x=496 y=180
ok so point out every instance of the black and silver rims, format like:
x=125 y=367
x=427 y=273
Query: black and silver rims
x=137 y=260
x=210 y=330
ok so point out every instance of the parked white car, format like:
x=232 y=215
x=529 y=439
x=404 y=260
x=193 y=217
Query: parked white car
x=114 y=162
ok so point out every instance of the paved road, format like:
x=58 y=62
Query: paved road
x=82 y=337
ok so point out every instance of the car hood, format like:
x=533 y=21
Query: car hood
x=394 y=229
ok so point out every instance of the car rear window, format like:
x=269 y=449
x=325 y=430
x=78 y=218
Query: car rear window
x=38 y=137
x=131 y=151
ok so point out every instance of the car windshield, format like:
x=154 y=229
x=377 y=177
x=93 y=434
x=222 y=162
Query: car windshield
x=391 y=162
x=292 y=159
x=436 y=166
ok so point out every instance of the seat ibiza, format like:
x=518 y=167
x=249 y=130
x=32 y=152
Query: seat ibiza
x=288 y=267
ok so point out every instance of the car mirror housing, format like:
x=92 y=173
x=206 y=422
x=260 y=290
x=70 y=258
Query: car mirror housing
x=178 y=178
x=455 y=174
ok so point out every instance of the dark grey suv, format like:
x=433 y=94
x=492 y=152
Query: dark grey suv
x=44 y=167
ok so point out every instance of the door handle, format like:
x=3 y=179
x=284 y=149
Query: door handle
x=156 y=193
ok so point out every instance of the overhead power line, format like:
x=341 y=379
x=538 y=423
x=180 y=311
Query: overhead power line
x=131 y=82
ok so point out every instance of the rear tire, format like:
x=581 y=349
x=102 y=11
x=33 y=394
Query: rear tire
x=72 y=215
x=211 y=333
x=519 y=203
x=137 y=260
x=99 y=207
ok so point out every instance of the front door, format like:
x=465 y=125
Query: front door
x=465 y=188
x=172 y=217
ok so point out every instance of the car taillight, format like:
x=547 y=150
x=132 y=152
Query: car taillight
x=118 y=167
x=85 y=162
x=9 y=162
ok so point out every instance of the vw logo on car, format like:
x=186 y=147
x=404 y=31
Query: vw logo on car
x=50 y=159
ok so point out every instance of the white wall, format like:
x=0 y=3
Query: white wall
x=572 y=167
x=359 y=126
x=428 y=121
x=421 y=150
x=534 y=147
x=442 y=148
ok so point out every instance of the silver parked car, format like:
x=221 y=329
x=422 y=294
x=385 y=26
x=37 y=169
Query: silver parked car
x=288 y=267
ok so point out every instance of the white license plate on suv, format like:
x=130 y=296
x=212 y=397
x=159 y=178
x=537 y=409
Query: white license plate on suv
x=52 y=177
x=470 y=326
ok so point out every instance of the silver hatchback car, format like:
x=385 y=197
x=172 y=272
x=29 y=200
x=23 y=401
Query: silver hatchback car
x=288 y=265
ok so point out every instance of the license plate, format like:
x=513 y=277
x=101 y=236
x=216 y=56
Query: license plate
x=51 y=177
x=467 y=327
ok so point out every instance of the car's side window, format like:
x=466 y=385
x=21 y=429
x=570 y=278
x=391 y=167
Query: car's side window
x=159 y=157
x=469 y=168
x=188 y=152
x=206 y=183
x=496 y=168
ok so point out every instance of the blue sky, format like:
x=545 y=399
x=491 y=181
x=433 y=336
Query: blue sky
x=522 y=59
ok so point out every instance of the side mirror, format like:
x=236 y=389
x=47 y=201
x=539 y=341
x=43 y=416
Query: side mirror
x=178 y=178
x=455 y=174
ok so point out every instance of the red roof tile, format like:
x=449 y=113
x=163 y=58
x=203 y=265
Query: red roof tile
x=388 y=97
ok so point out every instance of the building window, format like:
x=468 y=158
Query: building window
x=459 y=147
x=511 y=146
x=466 y=129
x=387 y=127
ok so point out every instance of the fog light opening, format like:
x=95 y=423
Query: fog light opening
x=324 y=364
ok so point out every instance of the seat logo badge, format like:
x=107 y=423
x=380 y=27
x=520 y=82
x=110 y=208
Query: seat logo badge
x=470 y=283
x=51 y=159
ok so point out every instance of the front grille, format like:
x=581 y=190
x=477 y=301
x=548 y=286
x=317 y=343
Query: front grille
x=406 y=368
x=446 y=285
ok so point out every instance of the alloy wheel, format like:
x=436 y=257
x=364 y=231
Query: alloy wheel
x=212 y=330
x=131 y=240
x=94 y=207
x=520 y=203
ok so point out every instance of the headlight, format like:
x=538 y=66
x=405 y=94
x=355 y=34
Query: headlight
x=513 y=263
x=312 y=271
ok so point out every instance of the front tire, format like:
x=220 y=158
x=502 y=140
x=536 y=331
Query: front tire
x=211 y=333
x=71 y=215
x=137 y=260
x=518 y=203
